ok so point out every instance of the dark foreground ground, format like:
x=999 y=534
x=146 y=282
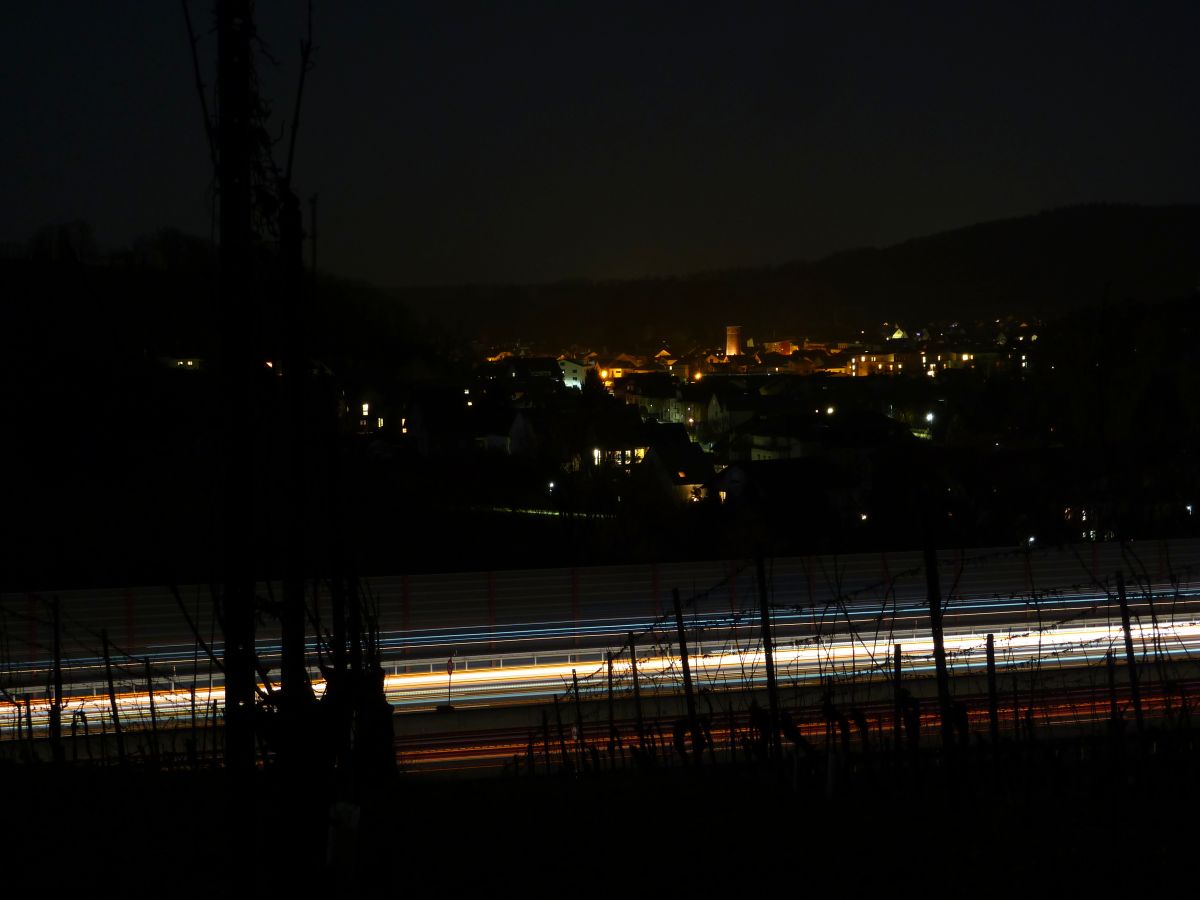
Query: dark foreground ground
x=1062 y=814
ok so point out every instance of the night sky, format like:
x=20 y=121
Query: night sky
x=480 y=142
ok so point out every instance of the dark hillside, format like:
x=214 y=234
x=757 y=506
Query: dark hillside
x=1044 y=265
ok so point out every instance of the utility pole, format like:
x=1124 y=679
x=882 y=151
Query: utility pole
x=1130 y=657
x=769 y=654
x=687 y=672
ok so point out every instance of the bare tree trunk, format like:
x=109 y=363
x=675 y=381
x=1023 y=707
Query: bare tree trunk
x=297 y=690
x=238 y=321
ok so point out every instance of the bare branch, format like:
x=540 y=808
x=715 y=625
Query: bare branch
x=208 y=125
x=196 y=631
x=306 y=47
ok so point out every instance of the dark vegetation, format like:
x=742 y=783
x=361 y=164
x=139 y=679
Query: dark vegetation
x=1097 y=813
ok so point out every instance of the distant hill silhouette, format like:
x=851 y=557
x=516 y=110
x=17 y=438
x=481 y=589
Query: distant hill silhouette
x=1041 y=265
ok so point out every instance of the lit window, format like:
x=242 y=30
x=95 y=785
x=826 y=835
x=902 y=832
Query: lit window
x=596 y=456
x=379 y=422
x=366 y=409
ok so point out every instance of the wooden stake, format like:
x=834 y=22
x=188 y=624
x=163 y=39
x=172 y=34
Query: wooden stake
x=939 y=644
x=897 y=700
x=580 y=744
x=1110 y=665
x=112 y=700
x=637 y=696
x=687 y=674
x=769 y=654
x=993 y=699
x=562 y=740
x=612 y=727
x=1016 y=712
x=154 y=749
x=56 y=705
x=1130 y=657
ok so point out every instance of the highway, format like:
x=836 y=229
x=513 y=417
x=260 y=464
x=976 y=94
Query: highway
x=516 y=637
x=715 y=667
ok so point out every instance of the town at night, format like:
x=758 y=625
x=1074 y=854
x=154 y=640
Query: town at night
x=669 y=443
